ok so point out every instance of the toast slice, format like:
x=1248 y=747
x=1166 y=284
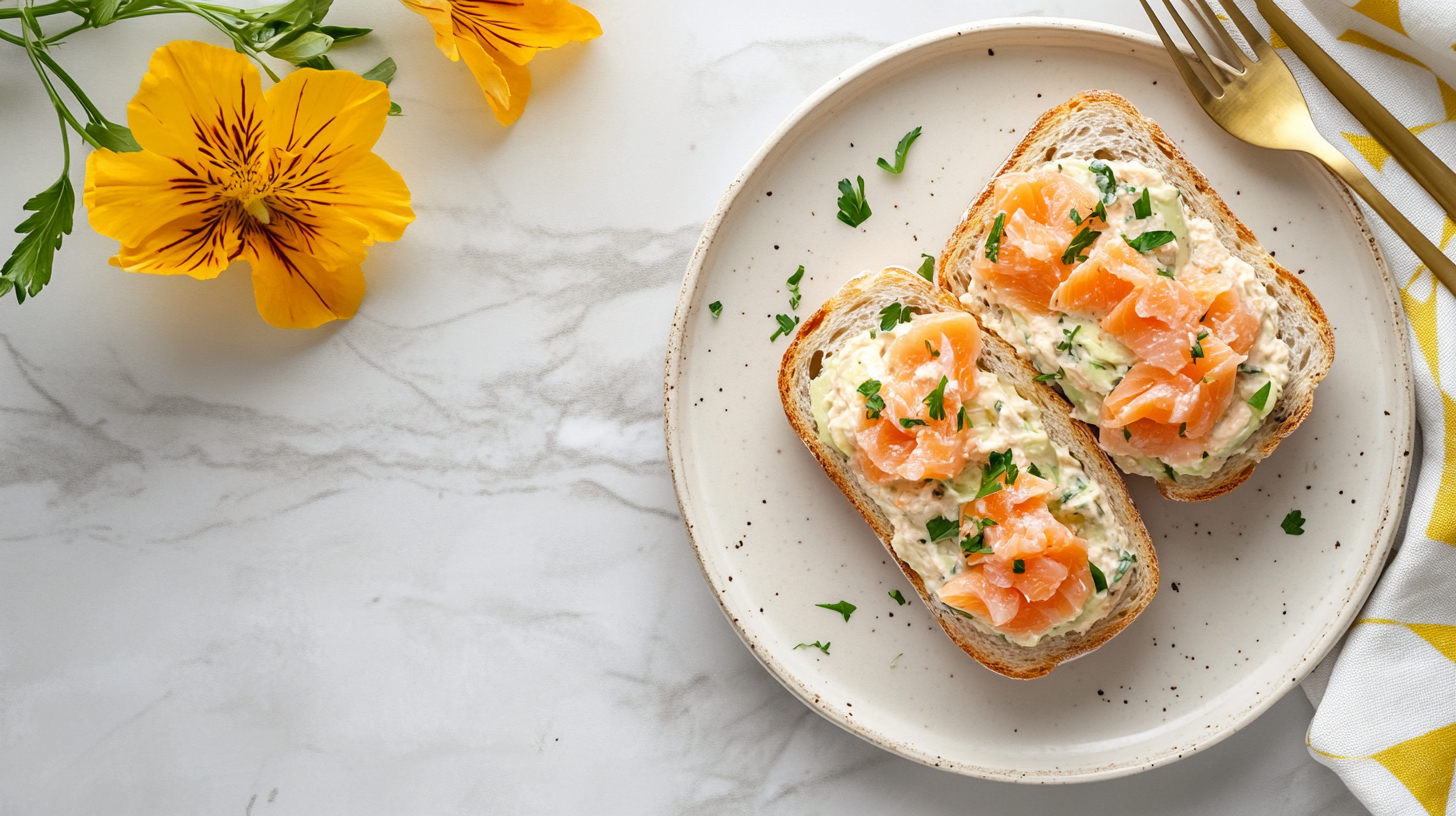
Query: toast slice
x=856 y=309
x=1104 y=125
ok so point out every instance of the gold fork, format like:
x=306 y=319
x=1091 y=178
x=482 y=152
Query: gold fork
x=1259 y=102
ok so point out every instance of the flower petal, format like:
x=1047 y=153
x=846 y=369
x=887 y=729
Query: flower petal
x=507 y=86
x=438 y=13
x=125 y=192
x=198 y=104
x=199 y=244
x=520 y=28
x=368 y=191
x=293 y=289
x=324 y=119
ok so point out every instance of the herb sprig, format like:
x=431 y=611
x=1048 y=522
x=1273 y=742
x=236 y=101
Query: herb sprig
x=901 y=150
x=927 y=267
x=1149 y=241
x=823 y=647
x=853 y=208
x=844 y=608
x=1293 y=523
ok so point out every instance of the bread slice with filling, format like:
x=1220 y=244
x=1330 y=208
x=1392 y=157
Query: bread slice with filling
x=1104 y=125
x=856 y=309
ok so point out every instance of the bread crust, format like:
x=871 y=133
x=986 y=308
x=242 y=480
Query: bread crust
x=1301 y=319
x=854 y=309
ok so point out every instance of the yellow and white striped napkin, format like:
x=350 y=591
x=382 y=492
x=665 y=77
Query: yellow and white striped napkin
x=1385 y=717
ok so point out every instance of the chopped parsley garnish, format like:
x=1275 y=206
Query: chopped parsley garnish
x=893 y=315
x=942 y=527
x=1011 y=473
x=899 y=598
x=1055 y=375
x=927 y=267
x=1197 y=350
x=907 y=422
x=794 y=296
x=1076 y=218
x=998 y=405
x=1143 y=207
x=1124 y=564
x=1066 y=345
x=1168 y=273
x=1106 y=181
x=1205 y=454
x=1126 y=434
x=1183 y=429
x=1149 y=241
x=716 y=307
x=900 y=150
x=1032 y=469
x=1099 y=581
x=934 y=352
x=976 y=544
x=1099 y=212
x=1169 y=470
x=1018 y=566
x=993 y=241
x=1293 y=523
x=786 y=326
x=853 y=209
x=844 y=608
x=961 y=421
x=998 y=465
x=936 y=400
x=1248 y=369
x=823 y=647
x=1261 y=396
x=1081 y=241
x=874 y=403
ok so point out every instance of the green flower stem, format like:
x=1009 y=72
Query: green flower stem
x=40 y=11
x=31 y=49
x=92 y=112
x=55 y=38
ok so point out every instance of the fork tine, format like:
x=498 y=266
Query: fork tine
x=1211 y=19
x=1195 y=83
x=1250 y=33
x=1213 y=69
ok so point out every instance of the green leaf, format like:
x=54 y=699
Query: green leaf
x=1018 y=566
x=1106 y=181
x=112 y=136
x=900 y=151
x=908 y=422
x=29 y=267
x=1055 y=375
x=1066 y=345
x=993 y=241
x=895 y=314
x=1261 y=396
x=874 y=403
x=307 y=45
x=844 y=608
x=395 y=109
x=1081 y=241
x=853 y=209
x=1168 y=273
x=899 y=598
x=287 y=22
x=321 y=62
x=383 y=72
x=794 y=295
x=1099 y=581
x=927 y=267
x=936 y=400
x=998 y=464
x=1149 y=241
x=823 y=647
x=1034 y=470
x=1168 y=469
x=101 y=12
x=961 y=420
x=942 y=527
x=786 y=326
x=1293 y=523
x=1143 y=207
x=344 y=33
x=716 y=307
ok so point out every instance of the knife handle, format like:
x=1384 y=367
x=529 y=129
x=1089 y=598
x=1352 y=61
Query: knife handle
x=1435 y=260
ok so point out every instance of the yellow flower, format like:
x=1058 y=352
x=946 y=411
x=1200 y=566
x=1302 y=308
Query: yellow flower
x=285 y=180
x=498 y=37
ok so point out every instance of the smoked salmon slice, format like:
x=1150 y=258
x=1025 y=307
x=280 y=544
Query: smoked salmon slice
x=1190 y=400
x=1159 y=323
x=1111 y=273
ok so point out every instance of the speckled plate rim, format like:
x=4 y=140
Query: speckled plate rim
x=887 y=61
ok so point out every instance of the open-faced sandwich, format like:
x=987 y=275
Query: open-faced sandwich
x=1000 y=509
x=1104 y=257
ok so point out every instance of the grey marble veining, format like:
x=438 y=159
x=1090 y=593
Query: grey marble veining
x=429 y=560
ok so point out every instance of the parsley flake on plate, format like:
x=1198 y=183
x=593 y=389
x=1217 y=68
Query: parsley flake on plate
x=901 y=150
x=794 y=296
x=844 y=608
x=823 y=647
x=899 y=598
x=853 y=209
x=786 y=326
x=716 y=307
x=1293 y=523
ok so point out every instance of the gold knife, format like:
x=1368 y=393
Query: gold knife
x=1418 y=160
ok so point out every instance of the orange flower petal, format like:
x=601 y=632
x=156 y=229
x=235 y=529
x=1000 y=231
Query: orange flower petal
x=295 y=291
x=368 y=191
x=438 y=13
x=121 y=185
x=325 y=119
x=198 y=103
x=520 y=28
x=507 y=86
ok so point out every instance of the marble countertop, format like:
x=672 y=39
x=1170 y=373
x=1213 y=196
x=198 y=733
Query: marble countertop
x=429 y=560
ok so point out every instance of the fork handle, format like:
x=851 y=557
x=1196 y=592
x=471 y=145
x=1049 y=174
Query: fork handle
x=1435 y=260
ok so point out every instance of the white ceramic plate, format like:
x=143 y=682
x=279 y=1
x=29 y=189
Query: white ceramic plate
x=1244 y=610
